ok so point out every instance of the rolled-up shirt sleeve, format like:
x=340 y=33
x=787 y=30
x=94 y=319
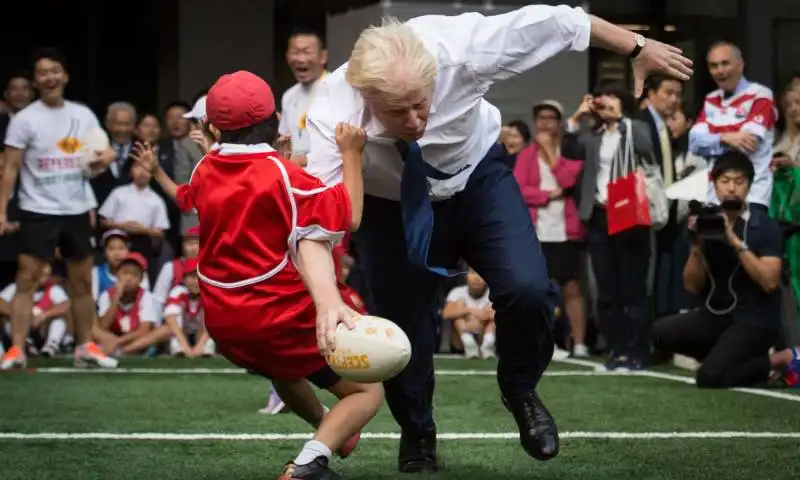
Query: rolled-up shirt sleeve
x=323 y=213
x=498 y=47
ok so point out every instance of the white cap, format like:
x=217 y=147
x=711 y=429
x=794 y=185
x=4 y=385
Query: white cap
x=551 y=104
x=198 y=111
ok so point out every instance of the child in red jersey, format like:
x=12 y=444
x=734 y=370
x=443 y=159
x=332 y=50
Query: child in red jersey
x=267 y=279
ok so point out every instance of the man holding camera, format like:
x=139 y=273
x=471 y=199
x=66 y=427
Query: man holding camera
x=734 y=266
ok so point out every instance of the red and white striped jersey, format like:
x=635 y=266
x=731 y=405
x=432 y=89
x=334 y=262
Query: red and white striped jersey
x=751 y=109
x=188 y=309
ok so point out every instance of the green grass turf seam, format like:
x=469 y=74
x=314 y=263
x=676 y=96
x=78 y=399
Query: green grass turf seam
x=392 y=436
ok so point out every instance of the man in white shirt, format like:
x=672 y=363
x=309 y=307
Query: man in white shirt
x=307 y=57
x=423 y=83
x=44 y=146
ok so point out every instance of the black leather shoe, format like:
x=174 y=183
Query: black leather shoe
x=316 y=470
x=417 y=452
x=538 y=433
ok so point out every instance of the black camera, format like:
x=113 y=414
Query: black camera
x=710 y=225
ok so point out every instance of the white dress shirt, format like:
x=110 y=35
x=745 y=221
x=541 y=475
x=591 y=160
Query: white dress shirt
x=473 y=51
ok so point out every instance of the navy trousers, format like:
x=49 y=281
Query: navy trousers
x=488 y=225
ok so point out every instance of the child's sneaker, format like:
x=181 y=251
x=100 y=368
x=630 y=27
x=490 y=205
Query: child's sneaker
x=274 y=404
x=13 y=358
x=316 y=470
x=89 y=354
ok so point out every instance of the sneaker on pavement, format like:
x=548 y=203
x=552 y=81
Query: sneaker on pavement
x=13 y=358
x=89 y=354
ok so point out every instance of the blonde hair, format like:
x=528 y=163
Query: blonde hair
x=788 y=140
x=390 y=60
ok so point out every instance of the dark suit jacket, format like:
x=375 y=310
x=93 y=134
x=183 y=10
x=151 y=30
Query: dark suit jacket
x=642 y=145
x=647 y=117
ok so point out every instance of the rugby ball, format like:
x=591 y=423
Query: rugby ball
x=372 y=352
x=94 y=141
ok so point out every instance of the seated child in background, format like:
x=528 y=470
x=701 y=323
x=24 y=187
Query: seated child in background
x=115 y=249
x=471 y=312
x=48 y=325
x=183 y=326
x=125 y=312
x=171 y=274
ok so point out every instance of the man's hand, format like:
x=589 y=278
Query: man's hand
x=144 y=154
x=199 y=137
x=103 y=158
x=585 y=108
x=731 y=237
x=781 y=160
x=742 y=141
x=692 y=225
x=657 y=57
x=4 y=224
x=134 y=228
x=9 y=228
x=328 y=320
x=283 y=145
x=350 y=138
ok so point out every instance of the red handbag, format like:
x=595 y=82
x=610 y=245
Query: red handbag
x=628 y=204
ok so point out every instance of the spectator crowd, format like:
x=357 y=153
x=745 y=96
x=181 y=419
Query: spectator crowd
x=638 y=295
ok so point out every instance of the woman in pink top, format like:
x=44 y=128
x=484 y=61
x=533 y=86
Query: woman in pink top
x=544 y=175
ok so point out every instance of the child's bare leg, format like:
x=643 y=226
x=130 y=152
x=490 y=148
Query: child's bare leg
x=301 y=399
x=358 y=404
x=153 y=337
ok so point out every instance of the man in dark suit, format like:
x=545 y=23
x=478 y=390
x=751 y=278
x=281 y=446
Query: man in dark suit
x=120 y=123
x=663 y=100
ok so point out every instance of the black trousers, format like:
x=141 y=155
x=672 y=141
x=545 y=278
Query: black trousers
x=733 y=353
x=620 y=264
x=488 y=225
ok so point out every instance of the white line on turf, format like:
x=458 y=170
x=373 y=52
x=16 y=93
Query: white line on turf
x=235 y=371
x=391 y=436
x=685 y=379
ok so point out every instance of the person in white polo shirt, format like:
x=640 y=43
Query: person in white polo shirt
x=44 y=146
x=307 y=57
x=435 y=191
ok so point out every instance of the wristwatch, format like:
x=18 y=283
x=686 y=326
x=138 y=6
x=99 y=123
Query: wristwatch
x=640 y=43
x=742 y=248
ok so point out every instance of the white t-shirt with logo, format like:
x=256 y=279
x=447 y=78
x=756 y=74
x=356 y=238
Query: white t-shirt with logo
x=294 y=105
x=462 y=294
x=51 y=175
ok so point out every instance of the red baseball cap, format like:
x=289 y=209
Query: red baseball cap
x=136 y=258
x=239 y=100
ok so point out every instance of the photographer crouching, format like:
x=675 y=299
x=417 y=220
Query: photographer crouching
x=734 y=266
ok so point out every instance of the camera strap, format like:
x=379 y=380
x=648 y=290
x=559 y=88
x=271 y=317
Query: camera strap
x=733 y=305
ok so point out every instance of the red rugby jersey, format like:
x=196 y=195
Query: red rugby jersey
x=253 y=208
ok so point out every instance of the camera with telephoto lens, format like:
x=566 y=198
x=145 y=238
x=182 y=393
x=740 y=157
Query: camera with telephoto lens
x=710 y=225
